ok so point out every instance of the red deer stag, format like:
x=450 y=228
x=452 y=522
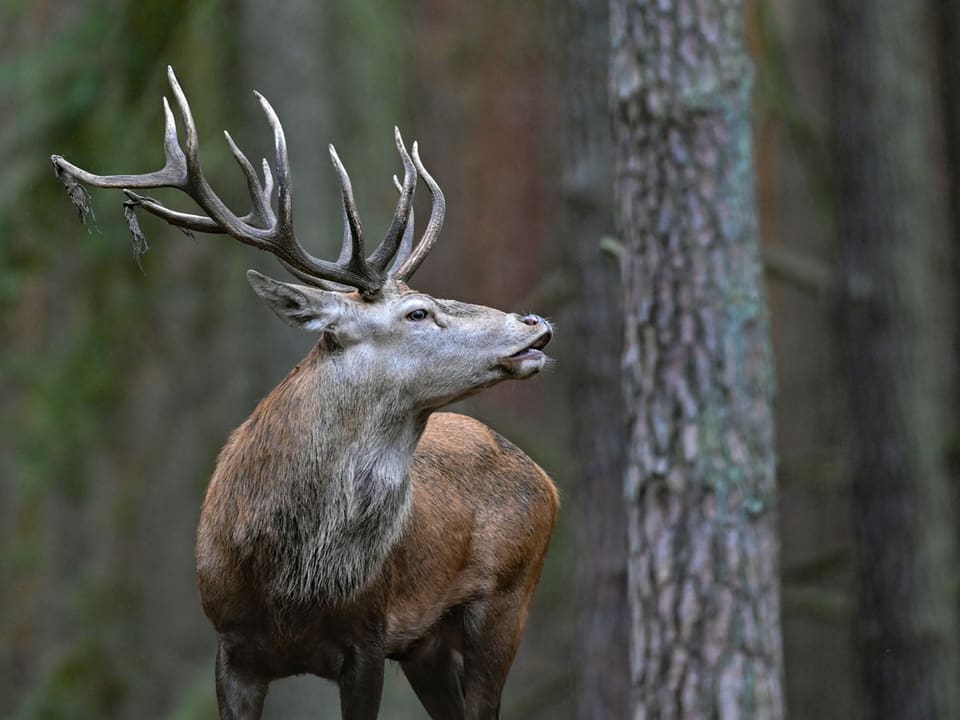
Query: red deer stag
x=346 y=522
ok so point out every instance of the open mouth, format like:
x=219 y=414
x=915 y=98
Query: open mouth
x=533 y=350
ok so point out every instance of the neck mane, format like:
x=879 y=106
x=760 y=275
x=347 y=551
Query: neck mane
x=320 y=478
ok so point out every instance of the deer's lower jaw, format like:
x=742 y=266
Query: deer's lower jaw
x=530 y=359
x=525 y=363
x=526 y=354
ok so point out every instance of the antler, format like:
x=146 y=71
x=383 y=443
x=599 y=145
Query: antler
x=438 y=208
x=261 y=227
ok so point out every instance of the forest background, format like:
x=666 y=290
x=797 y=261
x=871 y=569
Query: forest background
x=118 y=386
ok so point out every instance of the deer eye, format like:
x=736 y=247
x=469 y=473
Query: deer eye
x=418 y=314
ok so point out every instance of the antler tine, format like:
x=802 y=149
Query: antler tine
x=356 y=259
x=267 y=182
x=192 y=150
x=346 y=245
x=388 y=247
x=284 y=189
x=432 y=231
x=259 y=195
x=406 y=242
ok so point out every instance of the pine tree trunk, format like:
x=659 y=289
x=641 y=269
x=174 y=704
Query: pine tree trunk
x=699 y=482
x=594 y=371
x=897 y=314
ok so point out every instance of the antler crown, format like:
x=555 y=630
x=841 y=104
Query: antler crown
x=262 y=227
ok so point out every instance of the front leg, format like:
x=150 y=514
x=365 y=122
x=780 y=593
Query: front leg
x=492 y=630
x=361 y=684
x=240 y=694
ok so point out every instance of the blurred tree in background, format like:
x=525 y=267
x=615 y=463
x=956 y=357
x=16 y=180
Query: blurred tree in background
x=898 y=304
x=585 y=152
x=118 y=387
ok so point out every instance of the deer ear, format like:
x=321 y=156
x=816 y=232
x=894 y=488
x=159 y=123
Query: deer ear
x=297 y=305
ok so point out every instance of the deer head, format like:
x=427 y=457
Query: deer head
x=427 y=351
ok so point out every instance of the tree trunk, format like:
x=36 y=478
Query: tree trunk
x=897 y=313
x=593 y=373
x=699 y=481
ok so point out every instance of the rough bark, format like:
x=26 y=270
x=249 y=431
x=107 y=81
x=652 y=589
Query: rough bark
x=897 y=321
x=594 y=372
x=699 y=481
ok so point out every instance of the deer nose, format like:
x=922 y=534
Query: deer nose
x=532 y=320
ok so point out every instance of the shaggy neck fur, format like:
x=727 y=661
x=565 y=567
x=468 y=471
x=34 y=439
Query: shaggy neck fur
x=324 y=491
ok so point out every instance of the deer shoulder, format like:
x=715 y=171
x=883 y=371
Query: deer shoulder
x=482 y=516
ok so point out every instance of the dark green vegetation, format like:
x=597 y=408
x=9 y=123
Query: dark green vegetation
x=899 y=309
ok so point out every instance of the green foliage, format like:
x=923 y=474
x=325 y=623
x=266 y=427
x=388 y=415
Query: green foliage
x=90 y=677
x=72 y=306
x=85 y=352
x=198 y=700
x=84 y=683
x=77 y=100
x=777 y=96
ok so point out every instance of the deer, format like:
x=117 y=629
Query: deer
x=348 y=522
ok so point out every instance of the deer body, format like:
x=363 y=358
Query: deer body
x=347 y=522
x=455 y=559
